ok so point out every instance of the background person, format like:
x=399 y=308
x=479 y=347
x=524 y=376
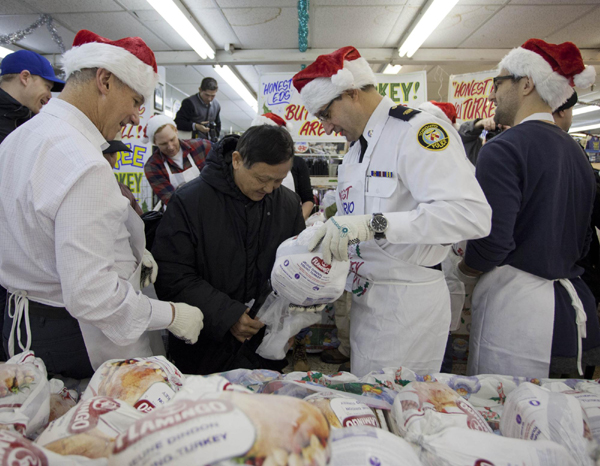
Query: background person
x=175 y=161
x=405 y=192
x=201 y=113
x=532 y=315
x=217 y=241
x=72 y=253
x=111 y=154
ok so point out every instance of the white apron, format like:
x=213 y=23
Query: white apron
x=178 y=179
x=288 y=182
x=400 y=312
x=513 y=322
x=99 y=347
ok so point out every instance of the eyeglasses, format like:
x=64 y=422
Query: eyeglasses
x=324 y=116
x=498 y=79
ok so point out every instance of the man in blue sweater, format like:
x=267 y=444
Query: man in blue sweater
x=532 y=314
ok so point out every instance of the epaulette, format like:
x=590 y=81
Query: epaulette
x=403 y=113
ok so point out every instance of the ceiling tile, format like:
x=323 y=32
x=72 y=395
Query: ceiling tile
x=459 y=25
x=331 y=26
x=584 y=32
x=404 y=21
x=249 y=73
x=256 y=27
x=513 y=25
x=73 y=6
x=257 y=3
x=14 y=7
x=155 y=23
x=114 y=26
x=214 y=23
x=40 y=39
x=136 y=5
x=178 y=75
x=553 y=2
x=345 y=3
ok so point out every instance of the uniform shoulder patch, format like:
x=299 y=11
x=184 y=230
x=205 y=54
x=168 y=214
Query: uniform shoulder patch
x=433 y=137
x=403 y=113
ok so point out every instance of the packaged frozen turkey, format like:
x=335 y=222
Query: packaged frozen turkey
x=455 y=446
x=535 y=413
x=24 y=394
x=90 y=428
x=61 y=399
x=428 y=407
x=144 y=383
x=368 y=446
x=16 y=450
x=303 y=277
x=226 y=428
x=343 y=411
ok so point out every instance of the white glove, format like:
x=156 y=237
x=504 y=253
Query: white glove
x=314 y=308
x=340 y=231
x=187 y=322
x=149 y=269
x=469 y=280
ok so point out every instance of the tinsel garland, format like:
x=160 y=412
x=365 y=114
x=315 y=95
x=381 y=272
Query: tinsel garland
x=19 y=35
x=303 y=25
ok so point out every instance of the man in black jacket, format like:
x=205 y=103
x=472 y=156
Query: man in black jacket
x=201 y=113
x=216 y=244
x=26 y=82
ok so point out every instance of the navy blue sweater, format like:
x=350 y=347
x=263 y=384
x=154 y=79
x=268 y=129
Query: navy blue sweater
x=541 y=189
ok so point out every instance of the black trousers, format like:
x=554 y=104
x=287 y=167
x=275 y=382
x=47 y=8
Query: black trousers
x=55 y=338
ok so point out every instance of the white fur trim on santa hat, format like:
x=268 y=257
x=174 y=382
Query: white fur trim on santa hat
x=320 y=91
x=553 y=88
x=126 y=66
x=436 y=112
x=263 y=120
x=586 y=78
x=154 y=123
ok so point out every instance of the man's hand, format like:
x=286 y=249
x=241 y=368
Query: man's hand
x=246 y=327
x=340 y=231
x=466 y=274
x=149 y=269
x=200 y=127
x=486 y=123
x=187 y=322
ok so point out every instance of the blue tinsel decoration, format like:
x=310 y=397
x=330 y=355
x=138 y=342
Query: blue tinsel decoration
x=303 y=25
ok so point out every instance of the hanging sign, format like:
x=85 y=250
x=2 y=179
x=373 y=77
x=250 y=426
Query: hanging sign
x=469 y=94
x=278 y=95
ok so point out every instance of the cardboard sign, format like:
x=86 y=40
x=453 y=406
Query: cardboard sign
x=469 y=94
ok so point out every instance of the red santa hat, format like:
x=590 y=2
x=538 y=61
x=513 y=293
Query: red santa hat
x=554 y=69
x=443 y=110
x=155 y=122
x=330 y=75
x=130 y=59
x=271 y=119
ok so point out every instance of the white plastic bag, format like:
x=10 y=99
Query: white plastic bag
x=24 y=394
x=303 y=277
x=282 y=323
x=144 y=383
x=342 y=411
x=455 y=446
x=368 y=446
x=90 y=428
x=535 y=413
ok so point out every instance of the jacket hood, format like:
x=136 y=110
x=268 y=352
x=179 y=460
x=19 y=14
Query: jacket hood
x=217 y=170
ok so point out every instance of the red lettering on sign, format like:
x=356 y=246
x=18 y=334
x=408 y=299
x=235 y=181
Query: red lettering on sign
x=296 y=112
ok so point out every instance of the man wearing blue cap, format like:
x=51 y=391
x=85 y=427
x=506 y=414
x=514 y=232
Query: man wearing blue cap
x=26 y=82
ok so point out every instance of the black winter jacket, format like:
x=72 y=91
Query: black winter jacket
x=12 y=114
x=215 y=249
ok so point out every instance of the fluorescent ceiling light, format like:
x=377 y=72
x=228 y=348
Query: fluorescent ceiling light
x=392 y=69
x=237 y=85
x=182 y=25
x=586 y=109
x=4 y=52
x=584 y=128
x=434 y=15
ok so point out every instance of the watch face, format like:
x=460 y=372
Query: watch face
x=379 y=223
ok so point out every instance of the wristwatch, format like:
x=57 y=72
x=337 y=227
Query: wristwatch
x=378 y=224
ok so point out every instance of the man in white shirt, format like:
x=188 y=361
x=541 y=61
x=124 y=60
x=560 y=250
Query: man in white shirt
x=73 y=253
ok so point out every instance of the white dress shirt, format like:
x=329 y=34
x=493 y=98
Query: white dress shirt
x=62 y=224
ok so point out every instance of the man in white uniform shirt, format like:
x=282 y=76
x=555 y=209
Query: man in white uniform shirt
x=73 y=250
x=405 y=193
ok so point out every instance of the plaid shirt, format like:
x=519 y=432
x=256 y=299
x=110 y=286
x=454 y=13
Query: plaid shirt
x=157 y=174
